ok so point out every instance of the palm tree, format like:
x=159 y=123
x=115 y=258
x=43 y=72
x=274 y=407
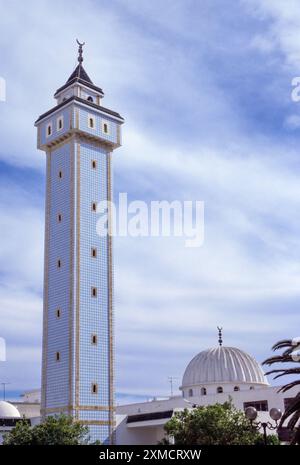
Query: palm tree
x=289 y=355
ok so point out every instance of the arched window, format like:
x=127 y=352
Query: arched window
x=219 y=390
x=190 y=392
x=203 y=391
x=236 y=388
x=90 y=99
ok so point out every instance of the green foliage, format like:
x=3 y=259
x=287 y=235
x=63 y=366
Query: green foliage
x=218 y=424
x=272 y=440
x=55 y=430
x=20 y=435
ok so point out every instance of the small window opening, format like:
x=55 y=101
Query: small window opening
x=59 y=124
x=94 y=388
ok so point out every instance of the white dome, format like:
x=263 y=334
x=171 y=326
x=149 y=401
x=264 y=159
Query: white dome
x=8 y=410
x=223 y=364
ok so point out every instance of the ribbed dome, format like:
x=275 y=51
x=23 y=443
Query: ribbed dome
x=223 y=364
x=8 y=410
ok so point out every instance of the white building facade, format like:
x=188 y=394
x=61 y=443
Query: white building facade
x=213 y=376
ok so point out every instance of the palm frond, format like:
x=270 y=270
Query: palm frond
x=294 y=420
x=293 y=408
x=278 y=359
x=288 y=351
x=282 y=343
x=283 y=372
x=289 y=386
x=292 y=412
x=296 y=439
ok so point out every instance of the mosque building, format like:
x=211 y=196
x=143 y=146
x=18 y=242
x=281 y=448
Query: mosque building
x=78 y=136
x=214 y=375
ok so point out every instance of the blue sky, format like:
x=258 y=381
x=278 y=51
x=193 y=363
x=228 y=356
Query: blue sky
x=205 y=89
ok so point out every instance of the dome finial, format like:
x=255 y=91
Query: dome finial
x=220 y=336
x=80 y=57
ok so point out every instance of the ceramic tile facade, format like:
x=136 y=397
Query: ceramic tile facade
x=73 y=185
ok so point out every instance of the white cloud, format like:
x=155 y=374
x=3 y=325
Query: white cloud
x=283 y=30
x=293 y=121
x=21 y=248
x=263 y=44
x=248 y=265
x=183 y=139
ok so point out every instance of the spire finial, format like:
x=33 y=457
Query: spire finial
x=80 y=57
x=220 y=336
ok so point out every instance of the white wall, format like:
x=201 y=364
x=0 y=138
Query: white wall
x=151 y=435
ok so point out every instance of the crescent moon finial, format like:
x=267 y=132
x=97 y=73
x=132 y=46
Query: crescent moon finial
x=83 y=43
x=80 y=52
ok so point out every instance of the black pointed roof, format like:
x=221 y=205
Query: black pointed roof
x=80 y=75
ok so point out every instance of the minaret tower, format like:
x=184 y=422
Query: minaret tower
x=78 y=136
